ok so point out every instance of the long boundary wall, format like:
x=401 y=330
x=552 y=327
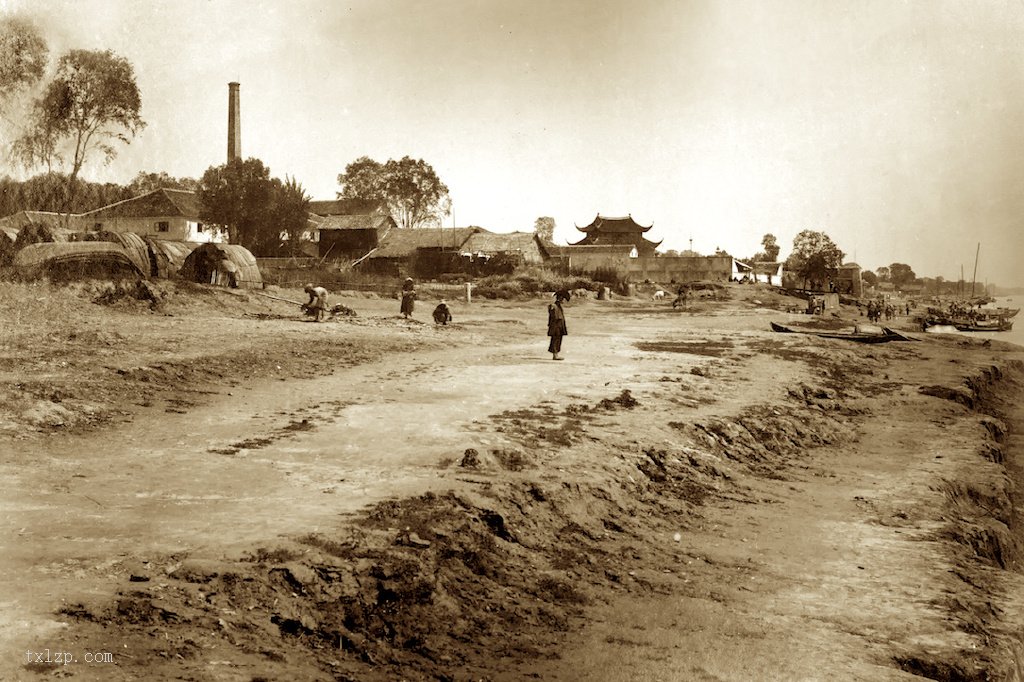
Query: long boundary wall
x=681 y=268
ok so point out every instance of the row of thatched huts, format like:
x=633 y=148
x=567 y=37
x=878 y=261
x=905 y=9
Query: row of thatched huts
x=38 y=250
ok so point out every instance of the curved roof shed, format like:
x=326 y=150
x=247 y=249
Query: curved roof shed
x=204 y=265
x=167 y=257
x=76 y=260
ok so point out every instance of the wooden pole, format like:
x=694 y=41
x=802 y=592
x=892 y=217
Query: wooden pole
x=974 y=277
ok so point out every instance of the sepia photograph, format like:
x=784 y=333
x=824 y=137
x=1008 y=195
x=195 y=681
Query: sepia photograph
x=500 y=340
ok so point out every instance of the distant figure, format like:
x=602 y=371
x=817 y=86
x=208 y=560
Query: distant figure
x=556 y=325
x=681 y=296
x=442 y=314
x=408 y=297
x=317 y=304
x=659 y=295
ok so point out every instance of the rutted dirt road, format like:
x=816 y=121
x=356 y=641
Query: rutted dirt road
x=783 y=562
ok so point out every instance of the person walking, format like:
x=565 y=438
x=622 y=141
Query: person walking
x=317 y=304
x=408 y=297
x=556 y=324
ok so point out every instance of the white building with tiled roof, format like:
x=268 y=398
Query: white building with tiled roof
x=163 y=213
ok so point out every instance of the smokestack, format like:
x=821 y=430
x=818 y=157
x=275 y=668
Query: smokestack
x=234 y=124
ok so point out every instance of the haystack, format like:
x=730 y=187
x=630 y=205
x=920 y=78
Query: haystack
x=222 y=264
x=167 y=256
x=65 y=261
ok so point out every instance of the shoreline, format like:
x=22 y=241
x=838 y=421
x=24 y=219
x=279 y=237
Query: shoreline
x=727 y=500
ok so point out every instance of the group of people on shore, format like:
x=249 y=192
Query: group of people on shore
x=317 y=307
x=876 y=309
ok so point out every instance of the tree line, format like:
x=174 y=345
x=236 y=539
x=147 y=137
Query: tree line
x=92 y=103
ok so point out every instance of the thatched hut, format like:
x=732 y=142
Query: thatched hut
x=132 y=244
x=166 y=257
x=64 y=261
x=8 y=237
x=223 y=264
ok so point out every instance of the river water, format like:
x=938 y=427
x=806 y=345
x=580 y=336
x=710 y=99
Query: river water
x=1015 y=335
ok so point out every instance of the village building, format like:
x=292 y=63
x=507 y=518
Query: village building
x=421 y=252
x=762 y=272
x=51 y=219
x=162 y=214
x=848 y=280
x=606 y=231
x=348 y=229
x=523 y=247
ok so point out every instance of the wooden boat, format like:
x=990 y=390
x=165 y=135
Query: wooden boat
x=886 y=336
x=999 y=326
x=966 y=325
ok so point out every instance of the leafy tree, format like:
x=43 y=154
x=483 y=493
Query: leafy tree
x=545 y=228
x=362 y=179
x=92 y=102
x=23 y=56
x=238 y=195
x=814 y=257
x=147 y=182
x=411 y=188
x=771 y=248
x=290 y=211
x=883 y=274
x=901 y=273
x=869 y=278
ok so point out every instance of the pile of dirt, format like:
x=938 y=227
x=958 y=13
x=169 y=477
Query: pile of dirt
x=470 y=583
x=981 y=535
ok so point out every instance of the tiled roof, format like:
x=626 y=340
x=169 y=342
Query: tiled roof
x=403 y=242
x=498 y=242
x=355 y=222
x=158 y=203
x=22 y=218
x=608 y=225
x=340 y=207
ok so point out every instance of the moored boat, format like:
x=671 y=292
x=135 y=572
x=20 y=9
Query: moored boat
x=885 y=336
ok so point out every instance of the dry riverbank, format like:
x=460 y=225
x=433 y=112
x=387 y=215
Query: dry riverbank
x=689 y=496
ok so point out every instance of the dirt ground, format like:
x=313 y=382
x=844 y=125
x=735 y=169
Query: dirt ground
x=206 y=486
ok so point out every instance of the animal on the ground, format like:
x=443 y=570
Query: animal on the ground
x=659 y=295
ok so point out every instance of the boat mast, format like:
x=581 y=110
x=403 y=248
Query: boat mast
x=974 y=277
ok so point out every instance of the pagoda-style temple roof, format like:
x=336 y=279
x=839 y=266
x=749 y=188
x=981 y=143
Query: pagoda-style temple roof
x=607 y=225
x=608 y=231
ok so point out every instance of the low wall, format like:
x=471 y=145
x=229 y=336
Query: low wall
x=680 y=268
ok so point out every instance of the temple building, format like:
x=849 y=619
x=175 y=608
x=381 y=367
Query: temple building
x=617 y=232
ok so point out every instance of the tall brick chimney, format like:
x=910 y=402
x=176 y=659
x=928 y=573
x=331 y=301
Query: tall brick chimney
x=234 y=124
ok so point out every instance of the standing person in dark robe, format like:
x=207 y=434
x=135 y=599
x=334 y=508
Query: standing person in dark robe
x=556 y=325
x=408 y=297
x=442 y=313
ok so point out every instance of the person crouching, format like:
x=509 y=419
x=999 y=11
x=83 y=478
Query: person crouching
x=317 y=305
x=442 y=313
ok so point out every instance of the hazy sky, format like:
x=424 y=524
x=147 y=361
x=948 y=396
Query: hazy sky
x=895 y=127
